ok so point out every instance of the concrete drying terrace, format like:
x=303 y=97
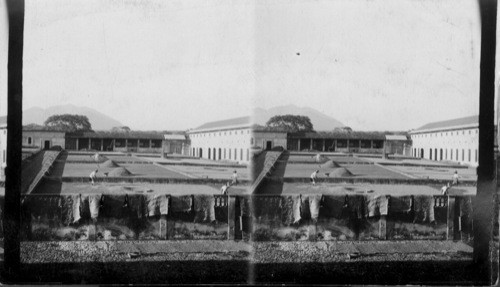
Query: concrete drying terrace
x=394 y=190
x=301 y=166
x=301 y=170
x=81 y=165
x=48 y=187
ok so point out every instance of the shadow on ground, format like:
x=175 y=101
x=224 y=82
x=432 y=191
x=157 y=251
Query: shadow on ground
x=238 y=271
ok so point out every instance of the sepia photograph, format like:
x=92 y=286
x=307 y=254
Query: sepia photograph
x=282 y=142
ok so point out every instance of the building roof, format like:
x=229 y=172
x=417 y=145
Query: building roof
x=340 y=135
x=472 y=121
x=396 y=138
x=175 y=137
x=224 y=124
x=117 y=135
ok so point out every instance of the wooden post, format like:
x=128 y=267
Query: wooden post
x=312 y=230
x=92 y=231
x=382 y=231
x=450 y=221
x=231 y=217
x=456 y=222
x=163 y=227
x=170 y=228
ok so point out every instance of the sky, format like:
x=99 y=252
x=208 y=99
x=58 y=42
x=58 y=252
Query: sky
x=371 y=64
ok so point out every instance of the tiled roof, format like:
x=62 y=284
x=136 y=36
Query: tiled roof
x=235 y=122
x=175 y=137
x=396 y=138
x=460 y=122
x=340 y=135
x=115 y=135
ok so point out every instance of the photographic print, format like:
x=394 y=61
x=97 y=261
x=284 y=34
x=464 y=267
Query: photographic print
x=249 y=142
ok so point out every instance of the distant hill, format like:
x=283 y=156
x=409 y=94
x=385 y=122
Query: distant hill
x=320 y=121
x=99 y=121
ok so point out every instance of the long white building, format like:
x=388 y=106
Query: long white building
x=454 y=140
x=227 y=140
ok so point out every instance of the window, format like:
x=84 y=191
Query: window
x=241 y=154
x=476 y=155
x=463 y=154
x=29 y=140
x=3 y=156
x=251 y=141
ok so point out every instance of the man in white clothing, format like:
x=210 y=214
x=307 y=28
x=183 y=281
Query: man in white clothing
x=93 y=176
x=314 y=176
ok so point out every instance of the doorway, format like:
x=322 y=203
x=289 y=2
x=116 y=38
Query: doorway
x=269 y=145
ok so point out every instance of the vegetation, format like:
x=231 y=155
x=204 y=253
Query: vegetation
x=290 y=123
x=68 y=123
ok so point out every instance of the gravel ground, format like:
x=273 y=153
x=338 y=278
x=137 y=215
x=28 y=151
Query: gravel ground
x=270 y=262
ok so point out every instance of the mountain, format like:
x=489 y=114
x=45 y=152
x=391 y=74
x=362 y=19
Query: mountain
x=320 y=121
x=99 y=121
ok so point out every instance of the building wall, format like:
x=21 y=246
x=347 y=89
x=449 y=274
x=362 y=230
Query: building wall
x=223 y=144
x=336 y=145
x=459 y=145
x=275 y=139
x=37 y=139
x=112 y=144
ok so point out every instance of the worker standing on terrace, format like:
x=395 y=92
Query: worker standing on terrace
x=93 y=176
x=235 y=178
x=224 y=188
x=96 y=157
x=455 y=178
x=314 y=176
x=445 y=188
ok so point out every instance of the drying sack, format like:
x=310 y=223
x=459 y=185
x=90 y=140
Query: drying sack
x=400 y=204
x=331 y=206
x=314 y=203
x=267 y=207
x=245 y=205
x=424 y=208
x=137 y=206
x=287 y=211
x=43 y=206
x=356 y=206
x=157 y=204
x=204 y=206
x=296 y=208
x=113 y=204
x=67 y=209
x=181 y=203
x=94 y=205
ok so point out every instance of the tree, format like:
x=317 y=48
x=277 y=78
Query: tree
x=123 y=129
x=291 y=123
x=68 y=123
x=343 y=129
